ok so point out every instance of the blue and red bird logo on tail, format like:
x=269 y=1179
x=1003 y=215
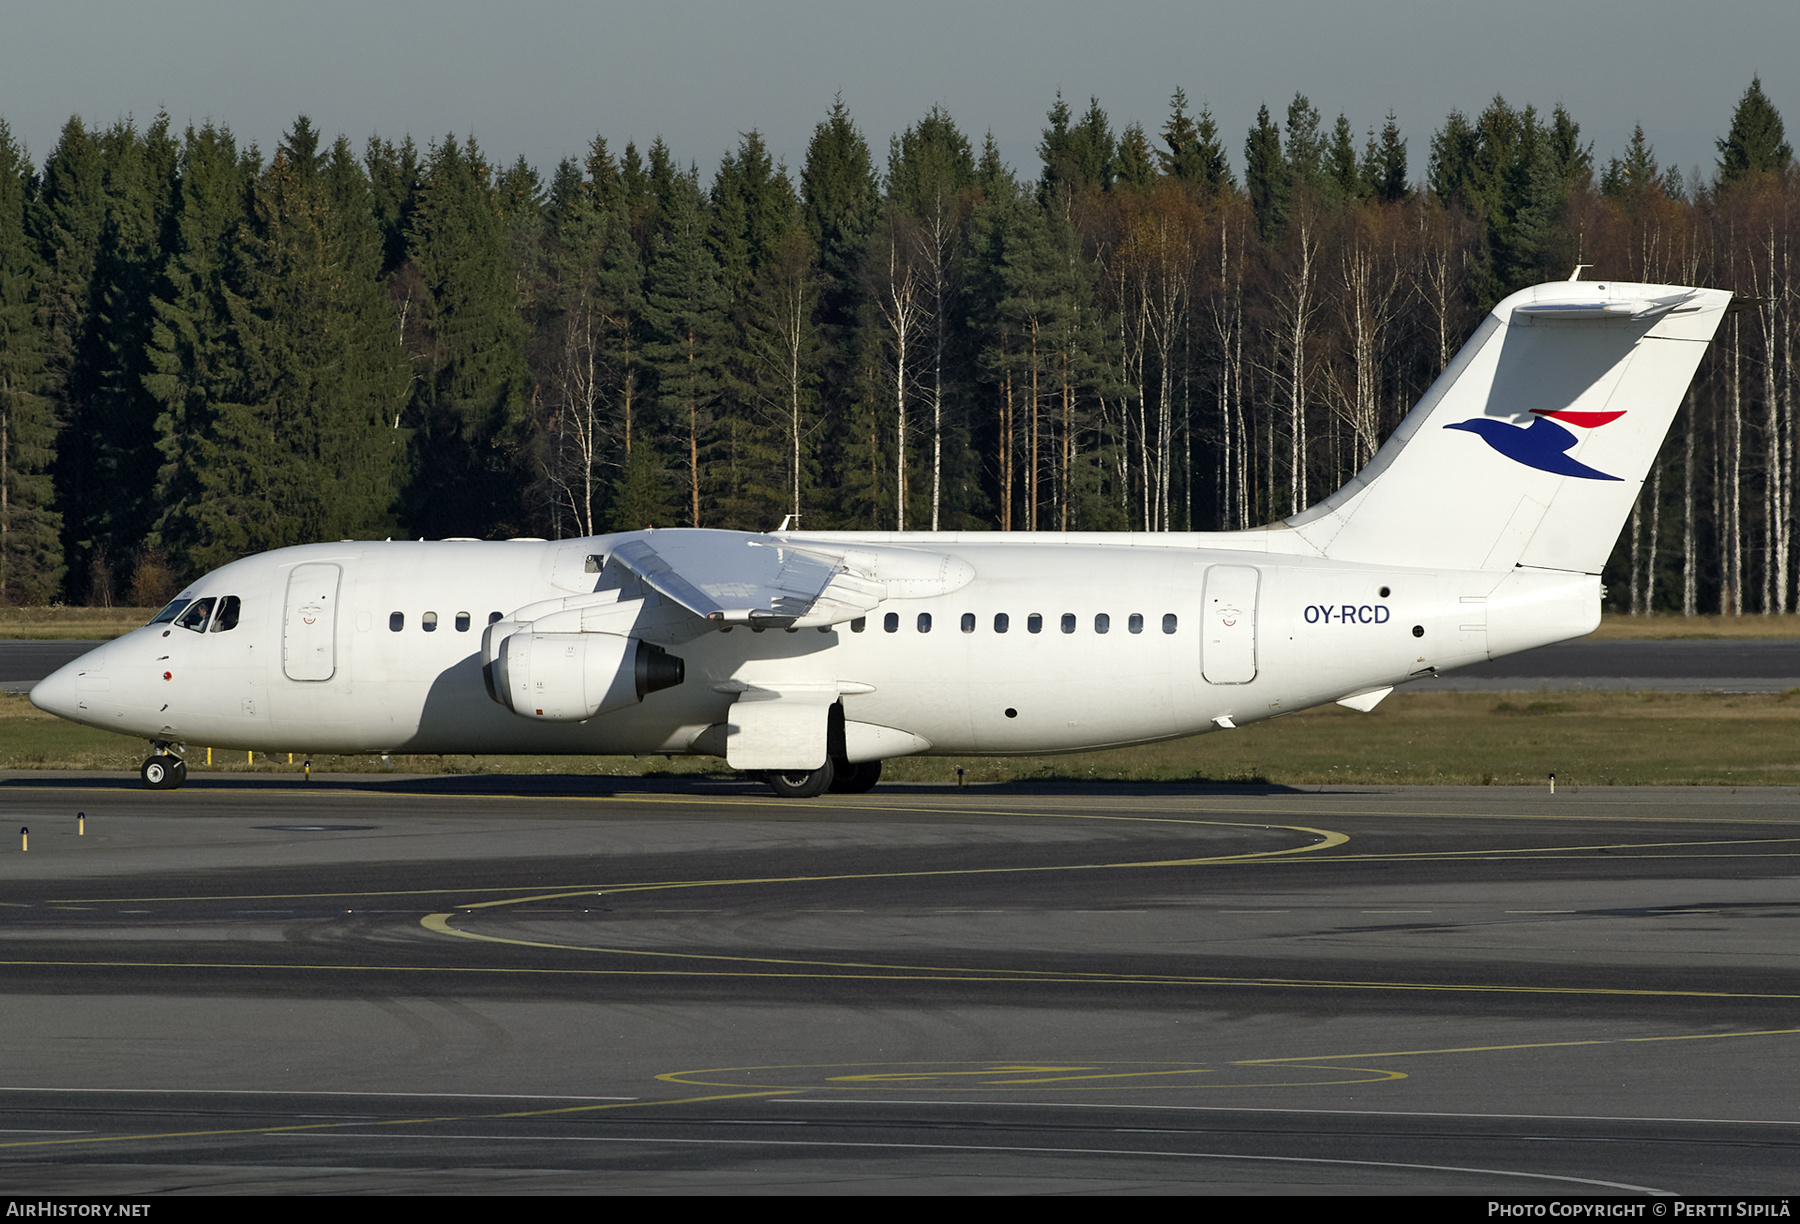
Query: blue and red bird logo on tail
x=1543 y=444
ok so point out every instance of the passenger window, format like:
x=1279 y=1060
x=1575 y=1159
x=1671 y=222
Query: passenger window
x=462 y=622
x=1001 y=622
x=1068 y=622
x=1136 y=623
x=428 y=622
x=968 y=622
x=397 y=621
x=195 y=617
x=924 y=622
x=891 y=622
x=229 y=610
x=1034 y=623
x=1102 y=622
x=594 y=564
x=859 y=624
x=1168 y=622
x=493 y=616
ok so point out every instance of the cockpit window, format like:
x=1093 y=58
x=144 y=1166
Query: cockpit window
x=195 y=616
x=169 y=613
x=229 y=610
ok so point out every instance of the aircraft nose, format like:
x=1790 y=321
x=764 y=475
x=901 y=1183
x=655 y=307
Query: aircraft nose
x=56 y=693
x=62 y=691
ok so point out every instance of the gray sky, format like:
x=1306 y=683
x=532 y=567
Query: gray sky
x=541 y=78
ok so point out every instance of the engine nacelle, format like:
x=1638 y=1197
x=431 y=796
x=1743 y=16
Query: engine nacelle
x=568 y=677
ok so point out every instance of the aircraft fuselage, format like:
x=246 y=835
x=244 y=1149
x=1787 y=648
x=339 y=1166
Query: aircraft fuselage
x=1050 y=646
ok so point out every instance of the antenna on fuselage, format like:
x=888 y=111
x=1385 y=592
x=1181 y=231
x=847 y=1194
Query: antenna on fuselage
x=1576 y=274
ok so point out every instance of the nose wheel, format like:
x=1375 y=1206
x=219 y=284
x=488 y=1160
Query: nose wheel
x=161 y=771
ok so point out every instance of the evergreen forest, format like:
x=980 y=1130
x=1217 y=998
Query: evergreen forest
x=209 y=350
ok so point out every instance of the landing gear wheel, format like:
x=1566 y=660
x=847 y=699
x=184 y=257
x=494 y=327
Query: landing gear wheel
x=857 y=779
x=163 y=772
x=800 y=783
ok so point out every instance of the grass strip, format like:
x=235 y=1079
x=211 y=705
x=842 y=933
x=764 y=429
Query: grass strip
x=1511 y=739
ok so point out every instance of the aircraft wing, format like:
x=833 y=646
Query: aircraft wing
x=741 y=578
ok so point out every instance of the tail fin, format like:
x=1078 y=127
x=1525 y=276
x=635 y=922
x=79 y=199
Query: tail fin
x=1531 y=446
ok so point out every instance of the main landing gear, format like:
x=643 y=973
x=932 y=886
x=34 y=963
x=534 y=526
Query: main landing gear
x=857 y=779
x=163 y=770
x=838 y=777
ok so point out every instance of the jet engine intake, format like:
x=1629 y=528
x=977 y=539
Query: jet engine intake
x=569 y=677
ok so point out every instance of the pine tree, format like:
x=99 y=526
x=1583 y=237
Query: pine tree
x=1137 y=164
x=775 y=379
x=684 y=308
x=605 y=184
x=1179 y=158
x=1384 y=164
x=469 y=411
x=839 y=205
x=838 y=202
x=1756 y=143
x=141 y=176
x=305 y=448
x=929 y=164
x=1634 y=177
x=31 y=557
x=394 y=179
x=66 y=220
x=1340 y=162
x=1077 y=156
x=1307 y=153
x=753 y=207
x=1215 y=170
x=637 y=199
x=1192 y=152
x=1451 y=175
x=1267 y=178
x=192 y=352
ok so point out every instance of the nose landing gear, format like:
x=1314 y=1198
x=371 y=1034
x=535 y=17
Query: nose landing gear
x=163 y=770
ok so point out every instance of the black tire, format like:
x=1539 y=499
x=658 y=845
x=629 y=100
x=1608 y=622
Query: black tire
x=800 y=783
x=857 y=779
x=163 y=772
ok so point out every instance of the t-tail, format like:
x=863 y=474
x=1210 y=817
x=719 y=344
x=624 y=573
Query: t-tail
x=1530 y=448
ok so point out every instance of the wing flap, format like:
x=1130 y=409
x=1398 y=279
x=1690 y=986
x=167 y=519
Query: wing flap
x=738 y=578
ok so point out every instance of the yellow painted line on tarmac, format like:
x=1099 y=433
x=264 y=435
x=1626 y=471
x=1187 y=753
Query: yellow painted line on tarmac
x=952 y=1077
x=1328 y=840
x=1009 y=1075
x=1521 y=1045
x=1602 y=846
x=365 y=1125
x=949 y=1077
x=439 y=923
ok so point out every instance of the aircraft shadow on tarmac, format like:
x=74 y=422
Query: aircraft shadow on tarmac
x=583 y=786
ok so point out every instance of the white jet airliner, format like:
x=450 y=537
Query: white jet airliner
x=1478 y=529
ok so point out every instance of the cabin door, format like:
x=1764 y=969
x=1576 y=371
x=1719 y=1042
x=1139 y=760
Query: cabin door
x=1228 y=625
x=309 y=628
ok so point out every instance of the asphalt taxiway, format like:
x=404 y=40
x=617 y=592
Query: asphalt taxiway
x=467 y=985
